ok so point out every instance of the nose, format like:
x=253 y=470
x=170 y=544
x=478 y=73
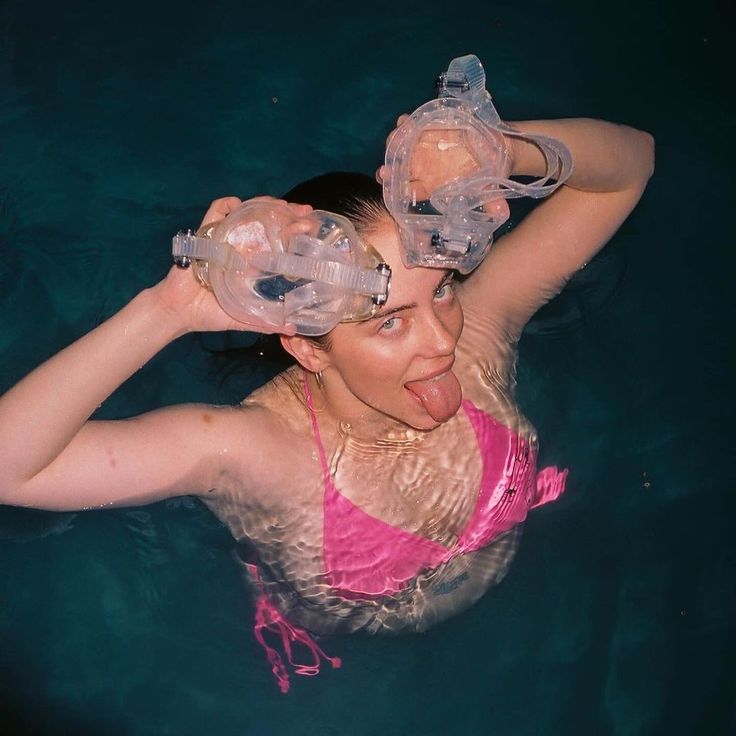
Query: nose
x=438 y=337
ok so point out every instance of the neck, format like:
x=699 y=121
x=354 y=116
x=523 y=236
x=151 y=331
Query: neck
x=335 y=404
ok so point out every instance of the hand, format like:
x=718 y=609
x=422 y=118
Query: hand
x=441 y=156
x=221 y=208
x=182 y=294
x=399 y=122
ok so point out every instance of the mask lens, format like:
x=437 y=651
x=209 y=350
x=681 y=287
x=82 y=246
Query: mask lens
x=268 y=266
x=443 y=154
x=275 y=288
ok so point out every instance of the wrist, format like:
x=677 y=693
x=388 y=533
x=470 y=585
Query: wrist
x=169 y=321
x=525 y=158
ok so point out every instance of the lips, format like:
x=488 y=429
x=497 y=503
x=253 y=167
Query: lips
x=439 y=393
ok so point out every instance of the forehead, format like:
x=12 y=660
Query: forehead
x=385 y=239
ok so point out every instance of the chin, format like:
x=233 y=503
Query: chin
x=427 y=426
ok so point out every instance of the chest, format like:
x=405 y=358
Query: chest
x=426 y=485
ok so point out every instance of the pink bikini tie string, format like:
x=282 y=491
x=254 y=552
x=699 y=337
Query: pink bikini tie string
x=270 y=618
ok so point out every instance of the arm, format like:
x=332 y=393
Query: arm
x=52 y=457
x=533 y=262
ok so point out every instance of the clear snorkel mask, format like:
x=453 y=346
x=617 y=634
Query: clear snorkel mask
x=447 y=164
x=265 y=265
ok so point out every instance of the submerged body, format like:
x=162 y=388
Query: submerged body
x=393 y=533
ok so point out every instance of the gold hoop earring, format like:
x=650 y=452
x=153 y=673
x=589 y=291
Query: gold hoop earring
x=320 y=380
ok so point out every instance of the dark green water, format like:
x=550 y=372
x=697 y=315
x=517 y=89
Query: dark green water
x=119 y=123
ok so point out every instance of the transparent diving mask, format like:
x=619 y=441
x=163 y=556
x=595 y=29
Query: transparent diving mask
x=268 y=266
x=447 y=172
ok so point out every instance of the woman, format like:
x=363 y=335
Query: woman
x=379 y=483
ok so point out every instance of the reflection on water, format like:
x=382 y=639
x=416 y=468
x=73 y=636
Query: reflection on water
x=24 y=525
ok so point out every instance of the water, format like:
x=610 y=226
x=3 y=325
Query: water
x=119 y=124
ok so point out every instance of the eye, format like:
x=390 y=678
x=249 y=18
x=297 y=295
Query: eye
x=445 y=291
x=389 y=325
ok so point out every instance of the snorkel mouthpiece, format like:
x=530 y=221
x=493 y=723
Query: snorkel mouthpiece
x=268 y=267
x=449 y=163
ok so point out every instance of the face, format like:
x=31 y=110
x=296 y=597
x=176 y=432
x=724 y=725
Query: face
x=399 y=362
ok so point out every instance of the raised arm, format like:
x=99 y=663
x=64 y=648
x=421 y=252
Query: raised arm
x=52 y=457
x=533 y=262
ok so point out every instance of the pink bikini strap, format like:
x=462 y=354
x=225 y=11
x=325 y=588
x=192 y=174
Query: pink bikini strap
x=315 y=430
x=270 y=618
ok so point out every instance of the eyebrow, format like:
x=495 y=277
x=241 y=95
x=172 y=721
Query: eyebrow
x=411 y=305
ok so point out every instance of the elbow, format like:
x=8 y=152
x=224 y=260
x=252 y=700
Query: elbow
x=647 y=156
x=635 y=157
x=11 y=492
x=640 y=157
x=19 y=492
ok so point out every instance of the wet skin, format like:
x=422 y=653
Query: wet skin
x=387 y=454
x=412 y=338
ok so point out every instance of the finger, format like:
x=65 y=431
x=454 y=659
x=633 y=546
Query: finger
x=380 y=172
x=267 y=198
x=220 y=209
x=498 y=209
x=298 y=209
x=401 y=119
x=264 y=329
x=301 y=210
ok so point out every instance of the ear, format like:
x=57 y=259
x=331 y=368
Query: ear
x=306 y=352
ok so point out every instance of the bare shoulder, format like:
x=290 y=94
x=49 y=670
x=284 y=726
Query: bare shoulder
x=266 y=440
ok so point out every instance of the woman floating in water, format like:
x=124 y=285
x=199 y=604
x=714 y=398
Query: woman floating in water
x=379 y=483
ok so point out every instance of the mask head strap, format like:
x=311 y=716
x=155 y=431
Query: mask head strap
x=465 y=80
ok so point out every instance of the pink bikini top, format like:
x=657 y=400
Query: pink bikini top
x=365 y=557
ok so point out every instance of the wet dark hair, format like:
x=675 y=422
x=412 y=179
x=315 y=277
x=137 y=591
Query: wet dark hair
x=358 y=197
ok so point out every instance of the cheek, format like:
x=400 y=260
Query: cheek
x=455 y=319
x=382 y=360
x=362 y=360
x=373 y=370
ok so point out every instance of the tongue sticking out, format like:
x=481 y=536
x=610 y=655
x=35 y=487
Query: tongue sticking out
x=440 y=396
